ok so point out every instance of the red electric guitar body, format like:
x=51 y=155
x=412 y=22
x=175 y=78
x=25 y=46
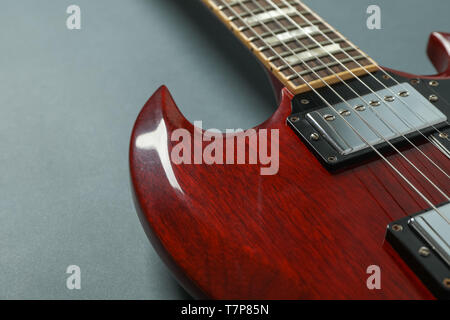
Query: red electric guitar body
x=228 y=232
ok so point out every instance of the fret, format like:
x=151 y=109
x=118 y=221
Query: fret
x=311 y=70
x=297 y=35
x=292 y=35
x=249 y=13
x=269 y=33
x=232 y=3
x=269 y=15
x=281 y=30
x=247 y=27
x=246 y=3
x=303 y=48
x=305 y=56
x=259 y=16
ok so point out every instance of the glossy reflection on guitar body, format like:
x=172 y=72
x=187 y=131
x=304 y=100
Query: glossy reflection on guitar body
x=228 y=232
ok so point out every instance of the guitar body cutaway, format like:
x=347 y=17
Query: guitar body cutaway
x=228 y=232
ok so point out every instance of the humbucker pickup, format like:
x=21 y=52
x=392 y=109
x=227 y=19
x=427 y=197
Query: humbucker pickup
x=348 y=129
x=400 y=111
x=423 y=241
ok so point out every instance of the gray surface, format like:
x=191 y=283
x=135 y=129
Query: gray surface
x=68 y=101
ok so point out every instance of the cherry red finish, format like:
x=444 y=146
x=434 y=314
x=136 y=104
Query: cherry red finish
x=229 y=233
x=439 y=52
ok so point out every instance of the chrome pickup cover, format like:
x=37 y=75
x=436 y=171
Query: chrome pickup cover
x=422 y=241
x=376 y=121
x=434 y=227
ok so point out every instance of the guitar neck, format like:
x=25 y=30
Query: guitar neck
x=293 y=42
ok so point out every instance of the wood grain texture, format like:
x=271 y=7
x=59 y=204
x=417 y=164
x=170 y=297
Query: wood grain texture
x=229 y=233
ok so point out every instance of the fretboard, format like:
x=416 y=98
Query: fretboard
x=293 y=42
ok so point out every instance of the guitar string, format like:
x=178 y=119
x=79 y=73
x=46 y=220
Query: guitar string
x=355 y=61
x=374 y=130
x=343 y=118
x=388 y=124
x=356 y=77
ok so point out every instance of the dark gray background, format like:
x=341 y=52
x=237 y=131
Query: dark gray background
x=68 y=101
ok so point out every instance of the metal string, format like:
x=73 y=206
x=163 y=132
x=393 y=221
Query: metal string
x=348 y=86
x=375 y=131
x=354 y=60
x=343 y=118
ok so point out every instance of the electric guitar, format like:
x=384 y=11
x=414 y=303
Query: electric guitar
x=357 y=205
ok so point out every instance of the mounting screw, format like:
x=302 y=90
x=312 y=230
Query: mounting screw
x=403 y=93
x=295 y=119
x=433 y=83
x=304 y=101
x=446 y=283
x=443 y=135
x=415 y=81
x=344 y=112
x=332 y=159
x=397 y=228
x=433 y=98
x=424 y=251
x=314 y=136
x=360 y=107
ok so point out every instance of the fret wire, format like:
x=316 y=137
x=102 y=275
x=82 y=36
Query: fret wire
x=222 y=7
x=256 y=23
x=267 y=15
x=322 y=67
x=305 y=48
x=295 y=3
x=245 y=28
x=268 y=46
x=311 y=70
x=292 y=36
x=278 y=42
x=374 y=149
x=353 y=60
x=268 y=25
x=242 y=1
x=381 y=83
x=253 y=13
x=393 y=167
x=369 y=144
x=267 y=33
x=324 y=54
x=275 y=6
x=290 y=28
x=293 y=27
x=393 y=110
